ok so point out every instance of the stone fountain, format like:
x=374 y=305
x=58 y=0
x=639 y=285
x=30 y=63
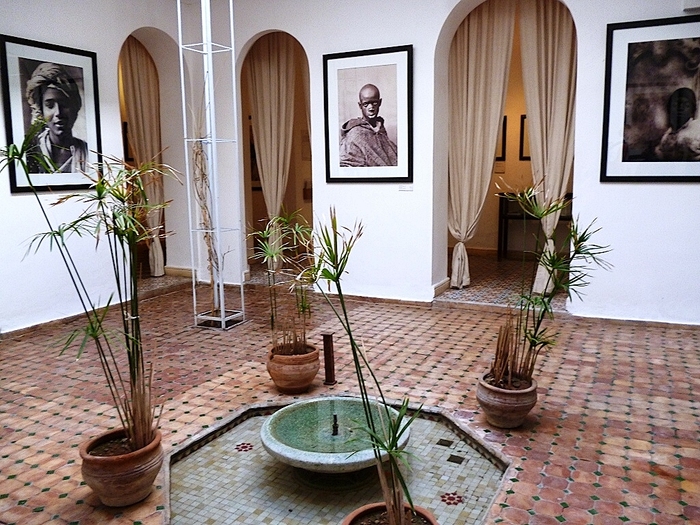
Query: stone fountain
x=322 y=435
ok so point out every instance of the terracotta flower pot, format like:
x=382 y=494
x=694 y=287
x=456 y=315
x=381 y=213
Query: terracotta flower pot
x=367 y=510
x=293 y=374
x=125 y=479
x=505 y=408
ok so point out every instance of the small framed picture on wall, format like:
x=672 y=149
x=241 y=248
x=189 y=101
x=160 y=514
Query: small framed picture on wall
x=368 y=112
x=50 y=91
x=651 y=125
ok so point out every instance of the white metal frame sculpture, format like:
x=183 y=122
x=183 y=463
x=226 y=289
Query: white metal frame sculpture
x=208 y=233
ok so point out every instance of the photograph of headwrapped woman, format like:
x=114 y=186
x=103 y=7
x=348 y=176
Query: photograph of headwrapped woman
x=53 y=94
x=51 y=104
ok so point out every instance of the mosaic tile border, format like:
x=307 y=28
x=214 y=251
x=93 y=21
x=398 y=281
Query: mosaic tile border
x=613 y=438
x=197 y=442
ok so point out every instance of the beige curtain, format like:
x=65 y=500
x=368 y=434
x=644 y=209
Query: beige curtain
x=548 y=41
x=302 y=67
x=479 y=63
x=140 y=105
x=271 y=77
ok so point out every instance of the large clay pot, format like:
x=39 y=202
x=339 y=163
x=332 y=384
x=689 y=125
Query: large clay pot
x=125 y=479
x=293 y=374
x=366 y=510
x=505 y=408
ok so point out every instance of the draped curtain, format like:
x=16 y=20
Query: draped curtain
x=271 y=77
x=548 y=43
x=140 y=108
x=301 y=62
x=479 y=63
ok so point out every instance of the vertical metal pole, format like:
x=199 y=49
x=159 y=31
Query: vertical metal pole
x=213 y=164
x=192 y=221
x=210 y=142
x=243 y=259
x=329 y=359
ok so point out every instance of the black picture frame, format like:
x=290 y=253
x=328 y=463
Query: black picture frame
x=645 y=64
x=524 y=148
x=128 y=157
x=501 y=144
x=19 y=58
x=344 y=74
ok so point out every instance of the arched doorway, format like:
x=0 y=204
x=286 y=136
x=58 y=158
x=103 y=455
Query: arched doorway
x=139 y=104
x=163 y=52
x=275 y=128
x=512 y=166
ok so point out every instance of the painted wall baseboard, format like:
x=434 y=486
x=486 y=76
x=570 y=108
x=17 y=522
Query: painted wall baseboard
x=179 y=272
x=441 y=287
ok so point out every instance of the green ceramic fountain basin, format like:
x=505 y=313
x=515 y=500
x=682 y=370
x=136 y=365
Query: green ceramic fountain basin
x=302 y=435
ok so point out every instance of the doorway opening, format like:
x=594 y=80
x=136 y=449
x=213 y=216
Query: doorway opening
x=277 y=169
x=499 y=238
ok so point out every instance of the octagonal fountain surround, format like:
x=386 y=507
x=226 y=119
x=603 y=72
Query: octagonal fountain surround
x=322 y=435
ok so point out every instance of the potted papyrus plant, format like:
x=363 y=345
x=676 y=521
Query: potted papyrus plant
x=333 y=245
x=283 y=246
x=508 y=391
x=113 y=212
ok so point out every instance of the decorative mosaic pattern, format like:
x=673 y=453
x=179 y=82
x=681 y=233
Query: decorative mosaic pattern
x=613 y=438
x=208 y=483
x=495 y=283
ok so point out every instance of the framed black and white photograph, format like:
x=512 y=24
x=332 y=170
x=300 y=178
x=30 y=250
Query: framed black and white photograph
x=524 y=147
x=651 y=130
x=53 y=88
x=501 y=142
x=368 y=115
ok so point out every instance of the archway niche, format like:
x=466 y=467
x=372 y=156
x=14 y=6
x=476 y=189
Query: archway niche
x=298 y=192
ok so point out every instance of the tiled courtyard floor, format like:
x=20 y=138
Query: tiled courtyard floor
x=453 y=479
x=614 y=438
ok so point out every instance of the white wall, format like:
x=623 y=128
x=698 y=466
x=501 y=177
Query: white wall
x=395 y=258
x=36 y=288
x=652 y=227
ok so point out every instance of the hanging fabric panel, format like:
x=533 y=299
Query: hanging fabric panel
x=138 y=79
x=548 y=42
x=479 y=63
x=271 y=78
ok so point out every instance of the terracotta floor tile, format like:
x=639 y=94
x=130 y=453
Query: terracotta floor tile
x=547 y=508
x=515 y=515
x=605 y=519
x=583 y=478
x=640 y=515
x=610 y=434
x=576 y=516
x=17 y=514
x=543 y=519
x=551 y=494
x=609 y=508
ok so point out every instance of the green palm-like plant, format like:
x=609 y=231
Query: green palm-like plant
x=333 y=246
x=525 y=334
x=114 y=211
x=284 y=246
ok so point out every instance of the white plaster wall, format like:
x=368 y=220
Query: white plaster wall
x=651 y=227
x=36 y=288
x=394 y=259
